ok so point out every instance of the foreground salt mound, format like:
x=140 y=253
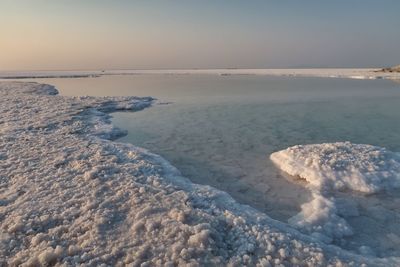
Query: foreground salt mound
x=342 y=165
x=70 y=196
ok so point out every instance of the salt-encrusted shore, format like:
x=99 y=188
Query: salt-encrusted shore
x=69 y=195
x=352 y=73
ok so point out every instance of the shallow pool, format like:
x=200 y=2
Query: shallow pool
x=220 y=131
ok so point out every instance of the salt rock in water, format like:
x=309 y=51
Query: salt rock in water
x=342 y=165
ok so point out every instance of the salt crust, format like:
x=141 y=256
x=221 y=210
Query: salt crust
x=342 y=165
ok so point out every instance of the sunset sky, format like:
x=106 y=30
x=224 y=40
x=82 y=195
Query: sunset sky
x=72 y=34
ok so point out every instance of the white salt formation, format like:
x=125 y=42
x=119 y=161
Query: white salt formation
x=336 y=167
x=343 y=165
x=71 y=196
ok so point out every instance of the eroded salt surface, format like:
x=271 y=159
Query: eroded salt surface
x=333 y=167
x=69 y=195
x=342 y=165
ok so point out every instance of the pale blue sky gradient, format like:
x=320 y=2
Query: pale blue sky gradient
x=72 y=34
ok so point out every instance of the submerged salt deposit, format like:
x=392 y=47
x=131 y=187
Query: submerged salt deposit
x=71 y=196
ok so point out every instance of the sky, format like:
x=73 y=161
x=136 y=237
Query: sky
x=149 y=34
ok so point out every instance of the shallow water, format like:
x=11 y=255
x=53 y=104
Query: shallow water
x=220 y=130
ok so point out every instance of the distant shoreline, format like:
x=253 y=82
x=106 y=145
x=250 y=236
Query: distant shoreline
x=352 y=73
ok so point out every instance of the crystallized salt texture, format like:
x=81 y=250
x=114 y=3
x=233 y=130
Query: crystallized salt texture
x=342 y=165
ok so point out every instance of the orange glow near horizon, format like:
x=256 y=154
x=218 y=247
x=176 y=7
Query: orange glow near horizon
x=71 y=34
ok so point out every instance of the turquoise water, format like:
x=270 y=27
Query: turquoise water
x=220 y=131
